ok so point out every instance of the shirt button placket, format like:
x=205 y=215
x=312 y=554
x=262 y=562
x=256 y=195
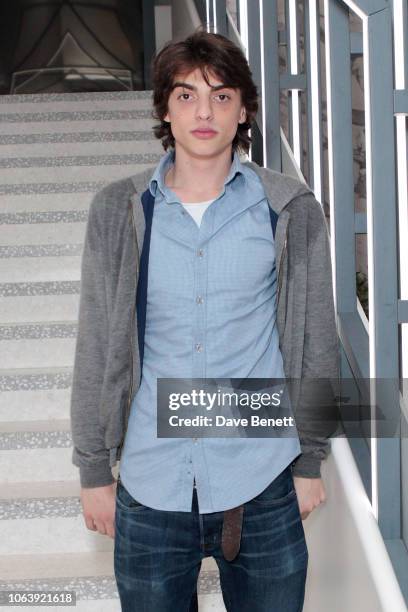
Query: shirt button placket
x=200 y=274
x=199 y=319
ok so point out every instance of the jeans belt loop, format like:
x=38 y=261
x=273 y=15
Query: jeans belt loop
x=231 y=532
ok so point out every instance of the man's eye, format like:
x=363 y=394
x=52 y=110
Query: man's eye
x=225 y=96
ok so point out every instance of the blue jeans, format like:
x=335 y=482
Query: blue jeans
x=158 y=554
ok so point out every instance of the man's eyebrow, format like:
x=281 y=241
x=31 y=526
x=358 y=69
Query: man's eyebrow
x=193 y=88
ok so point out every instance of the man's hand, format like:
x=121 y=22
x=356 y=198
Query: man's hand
x=98 y=506
x=310 y=493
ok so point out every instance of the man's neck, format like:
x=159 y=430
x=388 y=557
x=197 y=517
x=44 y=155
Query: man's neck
x=195 y=174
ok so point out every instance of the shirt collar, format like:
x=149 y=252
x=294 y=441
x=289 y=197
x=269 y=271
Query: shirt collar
x=157 y=179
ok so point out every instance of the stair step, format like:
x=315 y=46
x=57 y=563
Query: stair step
x=43 y=345
x=51 y=535
x=11 y=142
x=30 y=103
x=40 y=203
x=39 y=450
x=40 y=269
x=35 y=378
x=83 y=148
x=78 y=169
x=53 y=123
x=39 y=308
x=86 y=111
x=23 y=218
x=9 y=290
x=53 y=329
x=68 y=565
x=39 y=490
x=45 y=425
x=41 y=234
x=38 y=464
x=46 y=188
x=69 y=179
x=37 y=406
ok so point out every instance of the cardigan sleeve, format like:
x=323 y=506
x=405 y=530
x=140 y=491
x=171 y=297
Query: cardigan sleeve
x=317 y=414
x=89 y=452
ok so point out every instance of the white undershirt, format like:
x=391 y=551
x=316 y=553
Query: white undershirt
x=197 y=209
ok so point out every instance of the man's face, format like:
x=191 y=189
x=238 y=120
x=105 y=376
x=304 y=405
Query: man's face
x=194 y=105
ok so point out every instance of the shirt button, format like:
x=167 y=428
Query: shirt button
x=199 y=347
x=200 y=253
x=199 y=299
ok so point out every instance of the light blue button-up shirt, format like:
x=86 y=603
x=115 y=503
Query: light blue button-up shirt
x=211 y=312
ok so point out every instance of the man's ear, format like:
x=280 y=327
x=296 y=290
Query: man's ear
x=243 y=115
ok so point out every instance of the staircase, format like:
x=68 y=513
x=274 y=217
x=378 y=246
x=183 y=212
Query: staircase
x=56 y=151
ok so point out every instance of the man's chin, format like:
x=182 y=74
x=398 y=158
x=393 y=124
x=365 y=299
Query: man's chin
x=205 y=148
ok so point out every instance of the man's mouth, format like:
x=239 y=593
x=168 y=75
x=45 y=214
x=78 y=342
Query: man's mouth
x=204 y=132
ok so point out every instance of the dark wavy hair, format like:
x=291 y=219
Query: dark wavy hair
x=210 y=52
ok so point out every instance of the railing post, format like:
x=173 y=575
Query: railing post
x=382 y=257
x=313 y=98
x=254 y=59
x=271 y=87
x=340 y=154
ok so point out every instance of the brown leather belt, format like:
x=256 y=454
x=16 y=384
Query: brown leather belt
x=231 y=532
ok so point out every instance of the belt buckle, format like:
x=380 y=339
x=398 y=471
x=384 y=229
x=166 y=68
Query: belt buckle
x=231 y=532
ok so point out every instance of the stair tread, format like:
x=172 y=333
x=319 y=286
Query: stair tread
x=14 y=567
x=35 y=371
x=39 y=490
x=33 y=426
x=98 y=563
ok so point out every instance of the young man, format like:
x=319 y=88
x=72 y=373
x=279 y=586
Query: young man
x=205 y=266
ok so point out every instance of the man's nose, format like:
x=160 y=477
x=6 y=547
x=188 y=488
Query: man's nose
x=204 y=110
